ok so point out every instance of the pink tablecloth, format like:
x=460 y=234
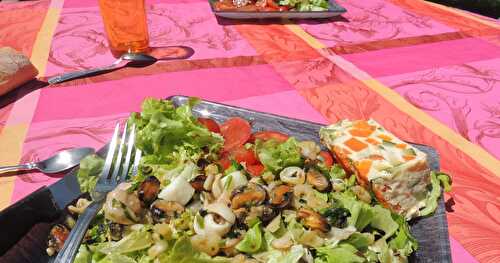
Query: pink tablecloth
x=428 y=73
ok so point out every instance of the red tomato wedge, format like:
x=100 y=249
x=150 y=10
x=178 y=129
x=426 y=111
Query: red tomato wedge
x=241 y=154
x=255 y=169
x=327 y=158
x=210 y=124
x=267 y=135
x=236 y=132
x=225 y=163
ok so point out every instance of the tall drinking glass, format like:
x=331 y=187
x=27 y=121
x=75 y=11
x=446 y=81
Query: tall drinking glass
x=126 y=25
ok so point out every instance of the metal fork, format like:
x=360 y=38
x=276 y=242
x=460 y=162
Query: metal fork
x=105 y=184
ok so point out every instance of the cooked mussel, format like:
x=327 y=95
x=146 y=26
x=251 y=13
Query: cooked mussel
x=197 y=183
x=281 y=196
x=313 y=220
x=58 y=234
x=318 y=180
x=309 y=149
x=164 y=211
x=149 y=189
x=248 y=195
x=293 y=175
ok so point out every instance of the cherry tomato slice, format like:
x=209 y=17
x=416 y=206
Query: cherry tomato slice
x=236 y=132
x=255 y=169
x=267 y=135
x=241 y=154
x=327 y=158
x=210 y=124
x=225 y=163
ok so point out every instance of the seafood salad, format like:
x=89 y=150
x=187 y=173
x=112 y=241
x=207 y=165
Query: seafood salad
x=219 y=192
x=271 y=5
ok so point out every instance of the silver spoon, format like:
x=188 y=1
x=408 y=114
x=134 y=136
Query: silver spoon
x=128 y=59
x=57 y=163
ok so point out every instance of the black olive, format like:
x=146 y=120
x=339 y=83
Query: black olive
x=116 y=231
x=337 y=217
x=233 y=234
x=157 y=214
x=205 y=149
x=203 y=212
x=202 y=163
x=268 y=214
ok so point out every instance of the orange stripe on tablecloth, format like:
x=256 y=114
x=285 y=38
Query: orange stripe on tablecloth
x=275 y=44
x=16 y=127
x=448 y=16
x=11 y=139
x=476 y=152
x=41 y=48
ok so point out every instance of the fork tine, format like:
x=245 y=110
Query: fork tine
x=118 y=160
x=126 y=164
x=110 y=154
x=137 y=159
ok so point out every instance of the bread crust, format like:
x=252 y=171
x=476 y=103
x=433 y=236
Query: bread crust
x=15 y=70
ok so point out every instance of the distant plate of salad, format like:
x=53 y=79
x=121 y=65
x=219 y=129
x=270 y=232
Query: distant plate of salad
x=223 y=184
x=290 y=9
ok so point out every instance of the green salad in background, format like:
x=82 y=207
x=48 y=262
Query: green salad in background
x=209 y=192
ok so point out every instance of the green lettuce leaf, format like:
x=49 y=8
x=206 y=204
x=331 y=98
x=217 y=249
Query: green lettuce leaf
x=336 y=171
x=431 y=202
x=163 y=129
x=306 y=5
x=275 y=155
x=381 y=252
x=445 y=181
x=252 y=240
x=84 y=255
x=183 y=252
x=403 y=242
x=361 y=214
x=361 y=241
x=114 y=258
x=90 y=169
x=136 y=240
x=343 y=253
x=382 y=220
x=275 y=256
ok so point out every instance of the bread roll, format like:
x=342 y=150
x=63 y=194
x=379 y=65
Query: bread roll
x=15 y=69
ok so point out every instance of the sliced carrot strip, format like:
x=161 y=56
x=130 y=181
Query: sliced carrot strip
x=385 y=137
x=355 y=144
x=372 y=141
x=401 y=145
x=363 y=167
x=376 y=157
x=362 y=124
x=360 y=132
x=408 y=157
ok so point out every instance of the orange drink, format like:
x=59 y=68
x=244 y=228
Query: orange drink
x=126 y=25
